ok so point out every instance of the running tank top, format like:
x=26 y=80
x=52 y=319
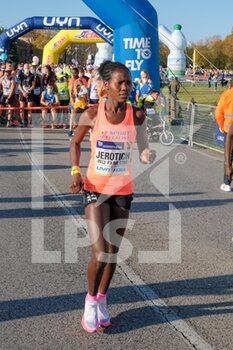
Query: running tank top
x=50 y=98
x=6 y=85
x=94 y=95
x=110 y=169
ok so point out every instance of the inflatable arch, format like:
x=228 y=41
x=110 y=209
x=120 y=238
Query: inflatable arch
x=135 y=26
x=32 y=23
x=64 y=38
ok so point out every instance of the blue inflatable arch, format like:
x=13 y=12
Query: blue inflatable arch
x=135 y=27
x=32 y=23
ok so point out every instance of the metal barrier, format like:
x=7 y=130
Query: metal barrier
x=197 y=124
x=62 y=115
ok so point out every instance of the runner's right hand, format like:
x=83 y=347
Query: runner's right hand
x=77 y=184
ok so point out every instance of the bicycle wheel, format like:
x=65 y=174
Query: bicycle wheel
x=166 y=138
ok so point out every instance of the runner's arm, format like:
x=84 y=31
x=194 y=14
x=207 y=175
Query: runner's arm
x=147 y=155
x=86 y=122
x=12 y=90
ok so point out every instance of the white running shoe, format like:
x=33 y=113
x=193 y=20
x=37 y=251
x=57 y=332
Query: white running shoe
x=89 y=319
x=102 y=312
x=226 y=188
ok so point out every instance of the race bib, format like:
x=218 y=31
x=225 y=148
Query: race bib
x=63 y=94
x=113 y=158
x=150 y=111
x=36 y=91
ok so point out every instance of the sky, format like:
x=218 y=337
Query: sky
x=200 y=19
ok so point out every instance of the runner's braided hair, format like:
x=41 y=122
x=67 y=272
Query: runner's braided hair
x=107 y=68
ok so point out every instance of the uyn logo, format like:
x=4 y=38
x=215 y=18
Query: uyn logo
x=15 y=30
x=73 y=22
x=104 y=31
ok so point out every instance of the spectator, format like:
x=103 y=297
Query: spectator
x=26 y=86
x=94 y=87
x=144 y=87
x=73 y=112
x=63 y=95
x=38 y=85
x=81 y=94
x=7 y=83
x=215 y=81
x=82 y=75
x=209 y=79
x=48 y=76
x=174 y=88
x=49 y=98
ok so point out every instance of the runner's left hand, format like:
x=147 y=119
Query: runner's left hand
x=148 y=156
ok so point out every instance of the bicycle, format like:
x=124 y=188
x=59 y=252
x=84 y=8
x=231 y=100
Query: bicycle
x=159 y=130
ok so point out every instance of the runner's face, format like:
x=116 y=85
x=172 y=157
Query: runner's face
x=120 y=85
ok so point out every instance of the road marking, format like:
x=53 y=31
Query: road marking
x=187 y=333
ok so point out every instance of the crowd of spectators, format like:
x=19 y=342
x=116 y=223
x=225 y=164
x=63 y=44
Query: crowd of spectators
x=62 y=90
x=50 y=87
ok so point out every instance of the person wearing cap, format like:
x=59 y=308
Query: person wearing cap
x=224 y=119
x=7 y=84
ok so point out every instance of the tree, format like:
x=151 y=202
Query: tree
x=164 y=52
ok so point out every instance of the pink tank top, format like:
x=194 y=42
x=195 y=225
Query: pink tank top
x=110 y=170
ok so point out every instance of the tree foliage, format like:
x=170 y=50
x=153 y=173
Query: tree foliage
x=214 y=52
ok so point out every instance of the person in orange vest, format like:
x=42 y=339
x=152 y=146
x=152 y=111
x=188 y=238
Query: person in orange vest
x=224 y=118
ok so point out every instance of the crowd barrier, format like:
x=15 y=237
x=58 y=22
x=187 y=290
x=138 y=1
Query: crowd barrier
x=62 y=115
x=198 y=125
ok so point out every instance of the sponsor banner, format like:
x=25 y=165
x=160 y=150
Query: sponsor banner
x=59 y=42
x=220 y=137
x=87 y=34
x=61 y=22
x=104 y=32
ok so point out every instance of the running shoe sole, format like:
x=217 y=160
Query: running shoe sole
x=87 y=329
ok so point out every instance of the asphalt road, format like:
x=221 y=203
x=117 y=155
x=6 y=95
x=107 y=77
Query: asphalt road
x=174 y=286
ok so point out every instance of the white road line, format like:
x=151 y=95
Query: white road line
x=187 y=333
x=204 y=154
